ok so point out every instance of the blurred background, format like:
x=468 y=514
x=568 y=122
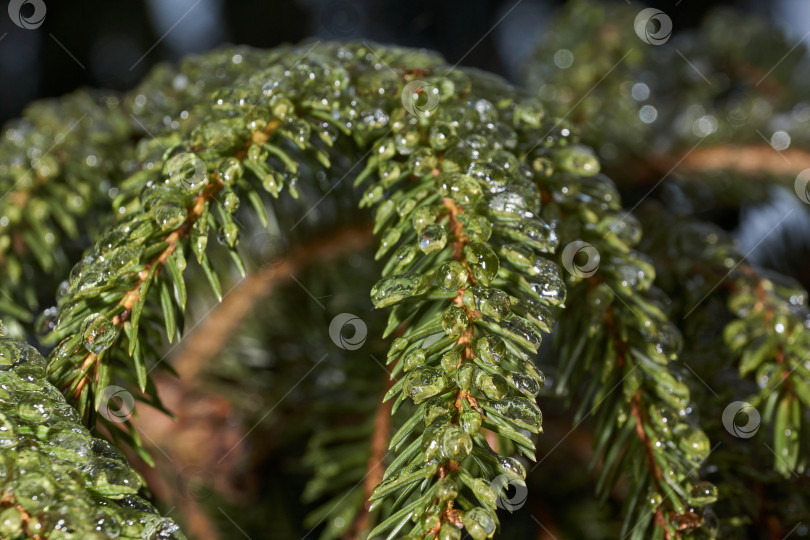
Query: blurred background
x=113 y=44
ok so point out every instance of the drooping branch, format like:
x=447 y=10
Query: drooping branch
x=207 y=340
x=749 y=160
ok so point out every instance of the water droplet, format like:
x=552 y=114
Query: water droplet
x=451 y=276
x=33 y=407
x=528 y=113
x=107 y=524
x=470 y=422
x=546 y=282
x=230 y=171
x=436 y=407
x=512 y=467
x=625 y=226
x=447 y=489
x=413 y=359
x=464 y=376
x=424 y=216
x=456 y=444
x=115 y=479
x=577 y=159
x=696 y=444
x=703 y=493
x=98 y=332
x=433 y=238
x=479 y=523
x=522 y=411
x=187 y=170
x=169 y=216
x=449 y=531
x=46 y=321
x=63 y=289
x=33 y=492
x=476 y=227
x=490 y=349
x=455 y=321
x=422 y=161
x=457 y=158
x=10 y=522
x=663 y=421
x=231 y=202
x=72 y=445
x=228 y=235
x=403 y=257
x=492 y=302
x=537 y=234
x=525 y=384
x=423 y=383
x=407 y=142
x=450 y=361
x=484 y=263
x=460 y=187
x=494 y=386
x=442 y=135
x=394 y=289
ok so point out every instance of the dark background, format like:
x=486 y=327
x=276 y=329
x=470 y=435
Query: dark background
x=112 y=44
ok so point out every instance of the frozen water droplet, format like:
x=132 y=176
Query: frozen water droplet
x=170 y=216
x=494 y=386
x=98 y=332
x=703 y=493
x=451 y=276
x=490 y=349
x=522 y=411
x=46 y=321
x=187 y=170
x=454 y=321
x=456 y=444
x=433 y=238
x=422 y=383
x=512 y=467
x=577 y=159
x=391 y=290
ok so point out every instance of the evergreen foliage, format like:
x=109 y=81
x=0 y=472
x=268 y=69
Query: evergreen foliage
x=495 y=226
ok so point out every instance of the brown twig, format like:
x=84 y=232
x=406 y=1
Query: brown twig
x=753 y=159
x=638 y=415
x=212 y=335
x=379 y=443
x=184 y=449
x=375 y=468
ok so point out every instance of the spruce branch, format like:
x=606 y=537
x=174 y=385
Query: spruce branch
x=764 y=331
x=58 y=477
x=617 y=348
x=61 y=166
x=478 y=197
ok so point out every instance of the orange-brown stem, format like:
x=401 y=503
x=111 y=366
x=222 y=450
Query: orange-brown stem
x=213 y=334
x=639 y=416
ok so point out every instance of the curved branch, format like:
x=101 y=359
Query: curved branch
x=212 y=335
x=754 y=159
